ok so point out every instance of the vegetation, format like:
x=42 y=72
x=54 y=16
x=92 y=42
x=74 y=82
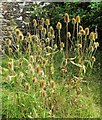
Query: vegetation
x=45 y=76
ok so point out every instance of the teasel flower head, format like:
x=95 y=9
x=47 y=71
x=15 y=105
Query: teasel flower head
x=78 y=19
x=96 y=35
x=82 y=32
x=66 y=18
x=86 y=31
x=38 y=47
x=68 y=34
x=40 y=27
x=42 y=83
x=79 y=46
x=27 y=86
x=38 y=69
x=44 y=30
x=10 y=50
x=9 y=65
x=62 y=45
x=8 y=42
x=91 y=48
x=42 y=20
x=35 y=22
x=47 y=22
x=18 y=32
x=80 y=28
x=93 y=59
x=49 y=34
x=47 y=40
x=59 y=26
x=43 y=93
x=21 y=36
x=73 y=21
x=95 y=45
x=31 y=58
x=92 y=36
x=51 y=31
x=52 y=84
x=34 y=79
x=9 y=33
x=29 y=66
x=44 y=61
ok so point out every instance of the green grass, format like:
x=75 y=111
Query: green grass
x=18 y=103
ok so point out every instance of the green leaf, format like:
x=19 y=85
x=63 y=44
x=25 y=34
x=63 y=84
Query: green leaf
x=76 y=64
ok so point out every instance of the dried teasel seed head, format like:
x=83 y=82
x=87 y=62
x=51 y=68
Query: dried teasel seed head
x=44 y=61
x=38 y=47
x=42 y=83
x=42 y=20
x=96 y=44
x=93 y=59
x=96 y=35
x=49 y=34
x=18 y=32
x=43 y=93
x=27 y=86
x=41 y=27
x=78 y=19
x=80 y=28
x=8 y=42
x=21 y=37
x=38 y=69
x=73 y=21
x=62 y=45
x=69 y=34
x=79 y=46
x=44 y=30
x=92 y=36
x=51 y=31
x=47 y=22
x=34 y=79
x=52 y=84
x=79 y=34
x=59 y=26
x=29 y=66
x=86 y=31
x=91 y=48
x=66 y=18
x=9 y=33
x=82 y=32
x=10 y=50
x=35 y=22
x=31 y=58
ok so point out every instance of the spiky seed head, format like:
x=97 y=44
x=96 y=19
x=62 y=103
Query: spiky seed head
x=21 y=37
x=69 y=34
x=73 y=21
x=29 y=66
x=78 y=19
x=86 y=31
x=35 y=22
x=34 y=79
x=91 y=48
x=59 y=26
x=79 y=34
x=93 y=59
x=79 y=46
x=52 y=84
x=18 y=32
x=8 y=42
x=44 y=30
x=51 y=31
x=92 y=36
x=49 y=34
x=47 y=40
x=9 y=33
x=10 y=50
x=27 y=86
x=42 y=83
x=96 y=44
x=38 y=69
x=44 y=61
x=62 y=45
x=82 y=32
x=9 y=65
x=80 y=28
x=41 y=27
x=43 y=93
x=38 y=47
x=31 y=58
x=96 y=35
x=42 y=20
x=66 y=18
x=47 y=22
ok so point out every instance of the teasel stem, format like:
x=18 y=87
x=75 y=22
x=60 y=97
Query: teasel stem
x=59 y=36
x=77 y=31
x=66 y=41
x=85 y=44
x=73 y=32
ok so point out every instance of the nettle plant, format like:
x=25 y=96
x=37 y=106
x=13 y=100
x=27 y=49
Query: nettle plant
x=31 y=58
